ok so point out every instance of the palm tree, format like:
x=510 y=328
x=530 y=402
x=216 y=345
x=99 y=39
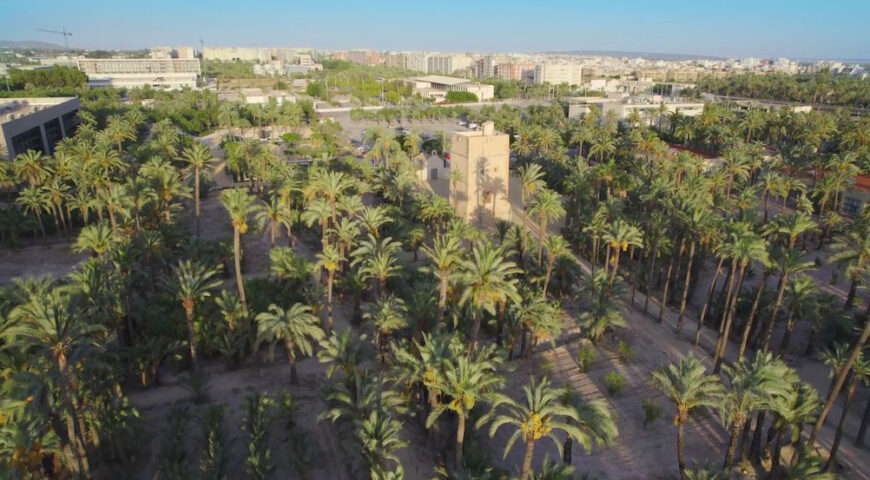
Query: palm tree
x=97 y=238
x=31 y=167
x=46 y=326
x=859 y=372
x=238 y=204
x=789 y=263
x=446 y=257
x=800 y=300
x=594 y=419
x=531 y=180
x=388 y=315
x=466 y=380
x=318 y=212
x=487 y=279
x=273 y=213
x=198 y=158
x=796 y=407
x=688 y=386
x=330 y=261
x=745 y=247
x=619 y=236
x=752 y=385
x=296 y=328
x=850 y=253
x=31 y=198
x=190 y=283
x=557 y=247
x=539 y=416
x=372 y=219
x=547 y=207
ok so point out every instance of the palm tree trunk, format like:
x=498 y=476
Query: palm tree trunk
x=196 y=198
x=838 y=436
x=460 y=437
x=649 y=279
x=859 y=440
x=442 y=297
x=475 y=330
x=786 y=338
x=850 y=298
x=526 y=472
x=750 y=320
x=680 y=460
x=191 y=336
x=768 y=328
x=237 y=260
x=721 y=346
x=567 y=450
x=686 y=283
x=329 y=278
x=547 y=275
x=840 y=380
x=737 y=425
x=664 y=300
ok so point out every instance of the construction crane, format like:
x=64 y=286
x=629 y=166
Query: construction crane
x=63 y=32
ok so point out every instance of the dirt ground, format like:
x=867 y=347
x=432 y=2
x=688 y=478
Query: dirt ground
x=55 y=259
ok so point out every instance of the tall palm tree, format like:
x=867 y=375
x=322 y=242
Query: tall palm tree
x=31 y=198
x=388 y=315
x=789 y=263
x=198 y=158
x=752 y=385
x=557 y=247
x=31 y=168
x=546 y=205
x=238 y=204
x=539 y=416
x=798 y=406
x=859 y=372
x=296 y=328
x=190 y=283
x=746 y=247
x=800 y=300
x=446 y=257
x=330 y=261
x=688 y=386
x=488 y=280
x=466 y=381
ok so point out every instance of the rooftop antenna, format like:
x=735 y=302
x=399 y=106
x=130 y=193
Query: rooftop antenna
x=63 y=32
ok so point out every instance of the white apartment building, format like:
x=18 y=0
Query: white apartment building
x=559 y=73
x=162 y=74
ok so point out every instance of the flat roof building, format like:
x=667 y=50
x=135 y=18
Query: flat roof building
x=161 y=73
x=36 y=123
x=437 y=86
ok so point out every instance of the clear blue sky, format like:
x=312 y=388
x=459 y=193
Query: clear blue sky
x=768 y=28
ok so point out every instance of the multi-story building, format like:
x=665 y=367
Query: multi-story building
x=524 y=71
x=35 y=123
x=231 y=54
x=163 y=74
x=623 y=107
x=440 y=64
x=364 y=57
x=559 y=73
x=483 y=158
x=417 y=62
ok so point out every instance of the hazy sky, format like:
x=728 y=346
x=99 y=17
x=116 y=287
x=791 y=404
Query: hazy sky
x=768 y=28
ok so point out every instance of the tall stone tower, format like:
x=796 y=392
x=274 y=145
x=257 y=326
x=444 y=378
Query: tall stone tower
x=482 y=158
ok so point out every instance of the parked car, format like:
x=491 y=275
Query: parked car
x=473 y=126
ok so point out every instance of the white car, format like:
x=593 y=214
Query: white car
x=473 y=126
x=462 y=124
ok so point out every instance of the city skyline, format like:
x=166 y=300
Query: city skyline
x=812 y=30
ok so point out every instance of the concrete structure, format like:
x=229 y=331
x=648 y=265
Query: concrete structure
x=163 y=74
x=524 y=71
x=440 y=64
x=482 y=158
x=255 y=96
x=437 y=86
x=559 y=73
x=35 y=123
x=623 y=106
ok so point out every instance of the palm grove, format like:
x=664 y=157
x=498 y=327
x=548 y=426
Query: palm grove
x=417 y=318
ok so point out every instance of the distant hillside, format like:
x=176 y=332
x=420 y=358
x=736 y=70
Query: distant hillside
x=30 y=45
x=648 y=55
